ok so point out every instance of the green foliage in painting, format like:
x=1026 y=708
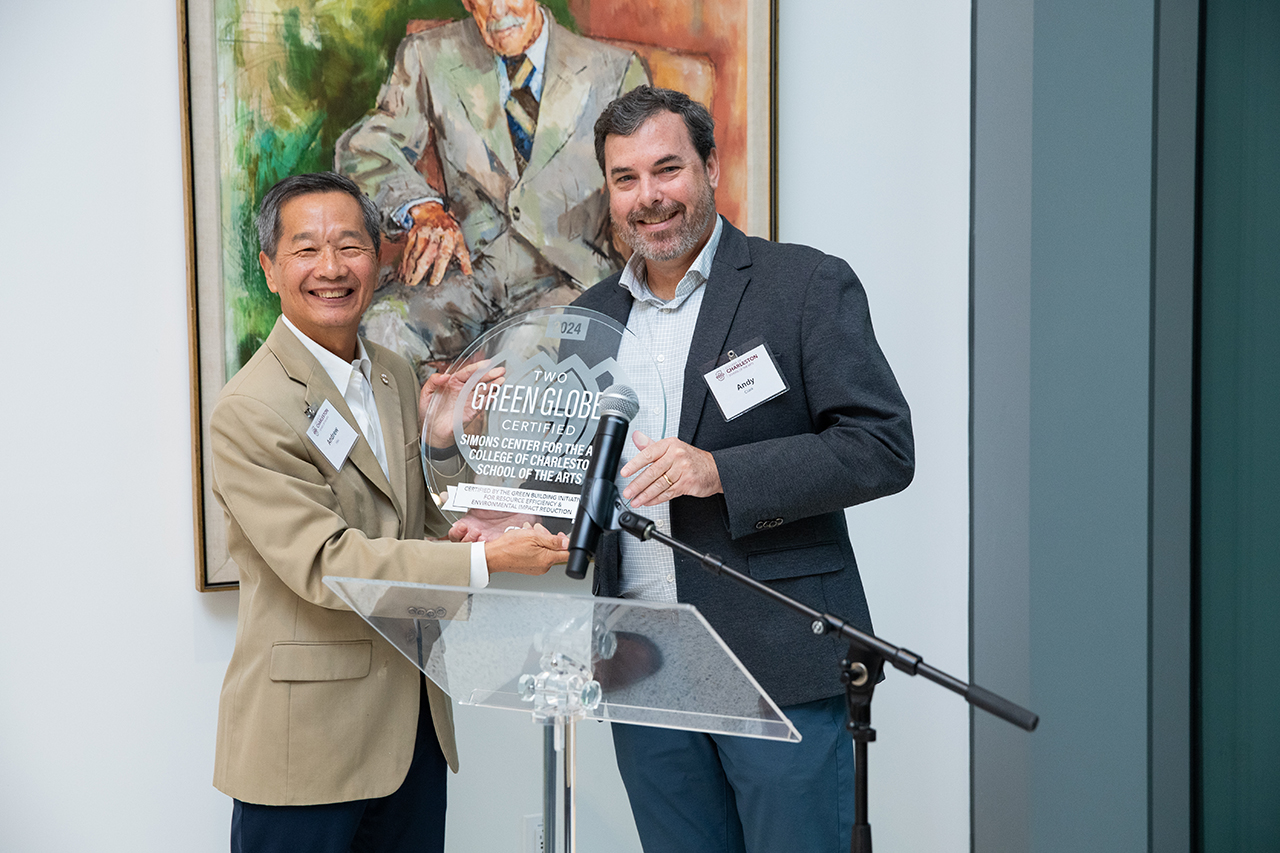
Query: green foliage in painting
x=265 y=154
x=300 y=73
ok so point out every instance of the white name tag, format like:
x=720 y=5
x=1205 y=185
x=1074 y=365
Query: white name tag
x=330 y=432
x=745 y=382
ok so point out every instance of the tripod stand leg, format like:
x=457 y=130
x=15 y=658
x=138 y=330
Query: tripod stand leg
x=861 y=839
x=860 y=670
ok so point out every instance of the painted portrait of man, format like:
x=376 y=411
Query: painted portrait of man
x=468 y=122
x=480 y=153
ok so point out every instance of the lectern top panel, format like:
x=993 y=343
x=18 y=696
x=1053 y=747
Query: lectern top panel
x=655 y=664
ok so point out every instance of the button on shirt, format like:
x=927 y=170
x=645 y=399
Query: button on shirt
x=662 y=334
x=355 y=380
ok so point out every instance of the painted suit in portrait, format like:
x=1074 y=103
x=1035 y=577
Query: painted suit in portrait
x=536 y=237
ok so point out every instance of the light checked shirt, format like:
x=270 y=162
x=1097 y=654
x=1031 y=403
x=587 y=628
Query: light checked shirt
x=662 y=334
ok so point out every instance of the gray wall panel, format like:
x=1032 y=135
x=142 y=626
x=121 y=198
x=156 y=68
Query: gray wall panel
x=1172 y=348
x=1081 y=419
x=1001 y=405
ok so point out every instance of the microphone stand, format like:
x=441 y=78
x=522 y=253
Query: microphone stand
x=859 y=671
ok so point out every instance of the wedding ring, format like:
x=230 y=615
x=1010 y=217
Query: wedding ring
x=670 y=485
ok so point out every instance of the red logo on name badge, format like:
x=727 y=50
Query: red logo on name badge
x=720 y=375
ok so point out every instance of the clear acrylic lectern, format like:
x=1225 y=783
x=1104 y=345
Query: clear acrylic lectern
x=565 y=658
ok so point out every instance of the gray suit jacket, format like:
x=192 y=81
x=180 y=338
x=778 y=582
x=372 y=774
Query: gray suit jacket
x=443 y=95
x=840 y=435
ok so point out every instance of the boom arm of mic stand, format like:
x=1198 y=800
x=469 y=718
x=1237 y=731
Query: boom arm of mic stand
x=822 y=623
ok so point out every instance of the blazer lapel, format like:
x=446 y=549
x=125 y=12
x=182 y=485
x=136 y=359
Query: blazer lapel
x=302 y=367
x=730 y=275
x=474 y=82
x=566 y=92
x=616 y=303
x=386 y=393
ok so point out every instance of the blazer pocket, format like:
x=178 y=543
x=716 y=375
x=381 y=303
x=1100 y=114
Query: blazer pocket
x=795 y=562
x=320 y=661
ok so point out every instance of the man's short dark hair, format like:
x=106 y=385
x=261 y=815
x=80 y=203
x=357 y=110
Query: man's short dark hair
x=269 y=224
x=624 y=116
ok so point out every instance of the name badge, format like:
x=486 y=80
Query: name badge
x=744 y=382
x=330 y=432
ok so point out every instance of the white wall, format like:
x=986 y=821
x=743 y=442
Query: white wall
x=110 y=662
x=108 y=679
x=874 y=167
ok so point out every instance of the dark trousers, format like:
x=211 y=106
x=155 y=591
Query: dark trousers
x=692 y=792
x=409 y=821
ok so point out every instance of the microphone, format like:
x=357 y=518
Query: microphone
x=618 y=405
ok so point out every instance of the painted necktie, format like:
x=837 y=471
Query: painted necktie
x=522 y=108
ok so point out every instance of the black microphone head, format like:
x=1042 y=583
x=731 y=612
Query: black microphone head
x=620 y=400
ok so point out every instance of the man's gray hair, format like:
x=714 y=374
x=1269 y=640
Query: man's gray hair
x=269 y=225
x=624 y=116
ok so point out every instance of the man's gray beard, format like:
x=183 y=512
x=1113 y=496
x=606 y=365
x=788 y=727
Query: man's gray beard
x=704 y=209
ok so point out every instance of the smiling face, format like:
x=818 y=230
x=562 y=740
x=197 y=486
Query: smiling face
x=324 y=270
x=507 y=26
x=661 y=194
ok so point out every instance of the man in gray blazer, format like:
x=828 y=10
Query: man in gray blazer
x=780 y=412
x=508 y=214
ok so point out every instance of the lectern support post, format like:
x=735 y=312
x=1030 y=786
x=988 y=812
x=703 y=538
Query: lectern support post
x=559 y=801
x=570 y=733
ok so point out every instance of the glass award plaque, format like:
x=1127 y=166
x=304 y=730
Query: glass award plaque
x=512 y=432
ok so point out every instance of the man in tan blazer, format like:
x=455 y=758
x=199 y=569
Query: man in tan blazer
x=328 y=738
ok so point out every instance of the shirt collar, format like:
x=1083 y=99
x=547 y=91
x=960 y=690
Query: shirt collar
x=337 y=369
x=536 y=53
x=633 y=274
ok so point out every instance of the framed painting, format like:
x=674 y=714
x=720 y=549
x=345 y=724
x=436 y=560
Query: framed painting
x=408 y=98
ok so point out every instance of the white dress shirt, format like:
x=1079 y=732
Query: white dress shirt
x=537 y=54
x=355 y=378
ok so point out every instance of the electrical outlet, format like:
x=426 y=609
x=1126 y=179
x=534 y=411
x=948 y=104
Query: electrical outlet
x=533 y=836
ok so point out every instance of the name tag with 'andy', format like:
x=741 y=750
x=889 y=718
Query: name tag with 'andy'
x=330 y=432
x=744 y=382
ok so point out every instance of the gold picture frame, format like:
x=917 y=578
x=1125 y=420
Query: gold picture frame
x=244 y=64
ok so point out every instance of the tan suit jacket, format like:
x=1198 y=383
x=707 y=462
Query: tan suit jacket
x=316 y=706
